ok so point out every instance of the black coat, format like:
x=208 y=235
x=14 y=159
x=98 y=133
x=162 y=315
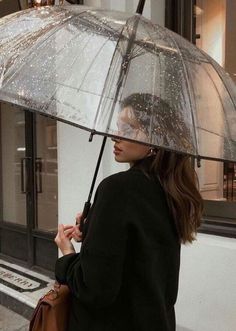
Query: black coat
x=126 y=276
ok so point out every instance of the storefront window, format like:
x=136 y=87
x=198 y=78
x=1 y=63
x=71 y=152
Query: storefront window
x=210 y=24
x=215 y=34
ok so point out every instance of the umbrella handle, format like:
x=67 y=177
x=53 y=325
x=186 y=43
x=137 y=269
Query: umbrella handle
x=87 y=204
x=86 y=209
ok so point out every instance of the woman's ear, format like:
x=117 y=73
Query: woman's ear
x=152 y=151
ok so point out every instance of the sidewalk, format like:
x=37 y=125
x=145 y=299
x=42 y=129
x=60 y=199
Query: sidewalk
x=10 y=321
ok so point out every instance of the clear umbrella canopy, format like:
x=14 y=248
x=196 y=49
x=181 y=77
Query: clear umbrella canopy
x=82 y=66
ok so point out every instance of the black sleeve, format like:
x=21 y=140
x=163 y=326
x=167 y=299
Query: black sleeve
x=95 y=274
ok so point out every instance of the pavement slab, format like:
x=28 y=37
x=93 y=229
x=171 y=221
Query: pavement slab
x=10 y=321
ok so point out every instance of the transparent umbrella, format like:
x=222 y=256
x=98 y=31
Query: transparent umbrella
x=77 y=64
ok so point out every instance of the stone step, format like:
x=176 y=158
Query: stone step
x=21 y=288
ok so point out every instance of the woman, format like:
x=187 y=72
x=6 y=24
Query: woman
x=126 y=276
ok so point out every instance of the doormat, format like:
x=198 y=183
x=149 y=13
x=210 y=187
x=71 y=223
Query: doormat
x=19 y=280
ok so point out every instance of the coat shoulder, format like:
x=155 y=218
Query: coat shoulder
x=121 y=178
x=129 y=180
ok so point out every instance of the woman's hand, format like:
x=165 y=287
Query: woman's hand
x=77 y=234
x=63 y=238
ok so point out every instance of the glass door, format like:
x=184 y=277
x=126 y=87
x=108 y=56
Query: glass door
x=28 y=187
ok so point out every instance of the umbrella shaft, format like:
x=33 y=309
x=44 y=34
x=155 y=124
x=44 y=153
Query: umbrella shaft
x=140 y=7
x=97 y=168
x=88 y=203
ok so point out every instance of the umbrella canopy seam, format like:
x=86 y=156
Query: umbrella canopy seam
x=218 y=69
x=107 y=77
x=124 y=66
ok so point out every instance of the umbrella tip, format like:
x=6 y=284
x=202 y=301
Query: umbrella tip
x=91 y=136
x=198 y=162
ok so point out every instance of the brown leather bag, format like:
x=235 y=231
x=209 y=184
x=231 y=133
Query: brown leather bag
x=52 y=310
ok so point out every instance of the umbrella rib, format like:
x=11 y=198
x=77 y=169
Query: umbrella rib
x=108 y=73
x=92 y=63
x=72 y=40
x=154 y=75
x=124 y=65
x=76 y=57
x=130 y=58
x=96 y=26
x=75 y=88
x=215 y=65
x=189 y=90
x=111 y=79
x=79 y=88
x=52 y=97
x=206 y=130
x=219 y=97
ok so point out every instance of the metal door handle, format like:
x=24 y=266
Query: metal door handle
x=24 y=177
x=39 y=182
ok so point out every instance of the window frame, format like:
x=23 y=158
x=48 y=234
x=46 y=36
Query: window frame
x=180 y=18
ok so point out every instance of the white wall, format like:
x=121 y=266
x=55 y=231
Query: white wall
x=76 y=164
x=207 y=290
x=211 y=26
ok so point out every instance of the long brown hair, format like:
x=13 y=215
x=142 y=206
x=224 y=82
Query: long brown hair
x=179 y=181
x=174 y=171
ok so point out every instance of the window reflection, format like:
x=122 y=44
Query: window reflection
x=230 y=181
x=14 y=180
x=46 y=174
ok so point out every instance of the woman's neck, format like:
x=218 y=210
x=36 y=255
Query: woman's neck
x=144 y=164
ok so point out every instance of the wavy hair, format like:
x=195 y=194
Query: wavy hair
x=174 y=171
